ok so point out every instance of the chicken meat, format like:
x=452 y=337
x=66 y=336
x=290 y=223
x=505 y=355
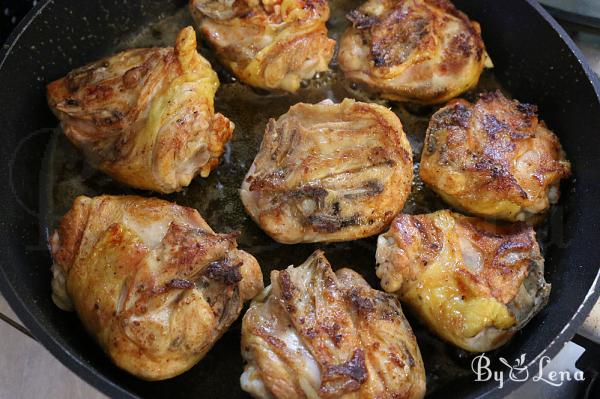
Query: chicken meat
x=315 y=334
x=270 y=44
x=150 y=280
x=145 y=116
x=493 y=159
x=422 y=51
x=472 y=282
x=329 y=172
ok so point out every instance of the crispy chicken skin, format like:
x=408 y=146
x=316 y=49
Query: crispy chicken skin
x=271 y=44
x=145 y=116
x=472 y=282
x=314 y=333
x=422 y=51
x=329 y=172
x=493 y=158
x=150 y=280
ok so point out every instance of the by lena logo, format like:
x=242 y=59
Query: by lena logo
x=520 y=373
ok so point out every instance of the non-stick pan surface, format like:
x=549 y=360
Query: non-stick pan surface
x=534 y=60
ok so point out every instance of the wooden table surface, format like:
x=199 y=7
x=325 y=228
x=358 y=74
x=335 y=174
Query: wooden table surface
x=29 y=371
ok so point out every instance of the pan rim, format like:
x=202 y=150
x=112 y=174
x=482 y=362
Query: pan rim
x=66 y=357
x=570 y=329
x=112 y=389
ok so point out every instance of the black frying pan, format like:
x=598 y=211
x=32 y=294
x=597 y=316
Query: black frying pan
x=534 y=60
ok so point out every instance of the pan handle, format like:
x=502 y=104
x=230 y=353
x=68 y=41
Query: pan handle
x=16 y=325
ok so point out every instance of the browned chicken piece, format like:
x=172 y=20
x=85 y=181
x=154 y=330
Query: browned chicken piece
x=472 y=282
x=493 y=158
x=150 y=280
x=422 y=51
x=145 y=116
x=271 y=44
x=329 y=172
x=315 y=334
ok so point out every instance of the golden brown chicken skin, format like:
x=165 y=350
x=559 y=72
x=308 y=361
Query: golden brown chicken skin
x=422 y=51
x=472 y=282
x=493 y=158
x=271 y=44
x=150 y=280
x=314 y=333
x=329 y=172
x=145 y=116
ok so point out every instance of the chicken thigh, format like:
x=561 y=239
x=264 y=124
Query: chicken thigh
x=329 y=172
x=145 y=116
x=150 y=280
x=493 y=158
x=314 y=334
x=271 y=44
x=472 y=282
x=423 y=51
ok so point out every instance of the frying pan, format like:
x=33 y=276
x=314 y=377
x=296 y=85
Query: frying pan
x=534 y=60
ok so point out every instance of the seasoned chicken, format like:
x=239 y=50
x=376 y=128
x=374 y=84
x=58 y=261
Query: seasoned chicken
x=423 y=51
x=271 y=44
x=145 y=116
x=493 y=158
x=329 y=172
x=150 y=280
x=317 y=334
x=474 y=283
